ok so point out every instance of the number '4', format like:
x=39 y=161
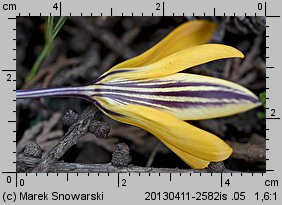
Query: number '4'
x=227 y=182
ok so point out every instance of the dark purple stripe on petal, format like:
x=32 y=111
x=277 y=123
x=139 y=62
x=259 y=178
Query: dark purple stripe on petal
x=125 y=100
x=172 y=104
x=198 y=94
x=163 y=85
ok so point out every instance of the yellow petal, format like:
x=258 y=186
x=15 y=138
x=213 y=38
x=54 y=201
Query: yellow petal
x=186 y=35
x=189 y=141
x=211 y=97
x=189 y=159
x=178 y=61
x=186 y=96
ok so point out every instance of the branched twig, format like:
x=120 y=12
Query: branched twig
x=86 y=122
x=91 y=168
x=63 y=167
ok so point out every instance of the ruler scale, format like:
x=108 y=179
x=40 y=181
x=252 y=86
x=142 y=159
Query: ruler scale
x=243 y=188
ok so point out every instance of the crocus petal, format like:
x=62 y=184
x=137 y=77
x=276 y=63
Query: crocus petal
x=189 y=159
x=189 y=142
x=177 y=62
x=186 y=96
x=186 y=35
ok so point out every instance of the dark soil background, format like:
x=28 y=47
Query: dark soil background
x=87 y=46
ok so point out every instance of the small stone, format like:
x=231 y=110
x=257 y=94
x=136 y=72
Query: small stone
x=216 y=167
x=120 y=155
x=69 y=118
x=33 y=150
x=99 y=129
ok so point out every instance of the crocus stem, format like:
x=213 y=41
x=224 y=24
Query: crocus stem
x=51 y=92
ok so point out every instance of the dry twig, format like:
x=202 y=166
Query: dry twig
x=119 y=164
x=81 y=125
